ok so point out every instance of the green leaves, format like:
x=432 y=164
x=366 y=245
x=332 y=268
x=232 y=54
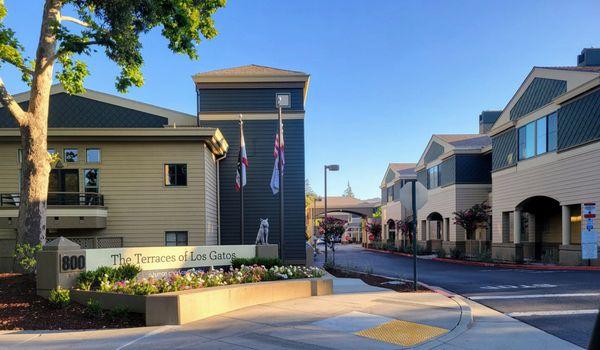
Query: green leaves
x=72 y=74
x=118 y=24
x=11 y=50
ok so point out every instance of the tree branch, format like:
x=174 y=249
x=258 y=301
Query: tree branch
x=13 y=107
x=74 y=20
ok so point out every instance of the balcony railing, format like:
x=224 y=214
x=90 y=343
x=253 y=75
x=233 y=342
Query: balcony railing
x=8 y=200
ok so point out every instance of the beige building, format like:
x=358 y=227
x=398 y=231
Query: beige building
x=396 y=176
x=546 y=159
x=129 y=174
x=455 y=169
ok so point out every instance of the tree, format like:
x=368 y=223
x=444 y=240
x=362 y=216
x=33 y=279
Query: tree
x=309 y=194
x=348 y=191
x=115 y=27
x=471 y=218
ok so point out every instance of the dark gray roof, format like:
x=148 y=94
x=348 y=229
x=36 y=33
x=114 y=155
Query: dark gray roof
x=72 y=111
x=489 y=117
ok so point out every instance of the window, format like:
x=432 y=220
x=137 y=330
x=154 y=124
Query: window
x=90 y=186
x=433 y=176
x=176 y=238
x=92 y=155
x=90 y=180
x=390 y=194
x=541 y=134
x=283 y=100
x=175 y=174
x=538 y=137
x=552 y=132
x=20 y=155
x=71 y=155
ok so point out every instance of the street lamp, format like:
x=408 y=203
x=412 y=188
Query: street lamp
x=331 y=167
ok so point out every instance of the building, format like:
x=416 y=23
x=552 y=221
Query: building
x=252 y=91
x=455 y=169
x=133 y=174
x=392 y=211
x=356 y=212
x=545 y=163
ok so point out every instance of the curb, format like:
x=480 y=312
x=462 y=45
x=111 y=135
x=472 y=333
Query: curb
x=498 y=265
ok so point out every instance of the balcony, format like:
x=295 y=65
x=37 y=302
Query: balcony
x=66 y=210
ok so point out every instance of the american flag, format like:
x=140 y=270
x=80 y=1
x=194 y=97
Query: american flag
x=242 y=164
x=278 y=151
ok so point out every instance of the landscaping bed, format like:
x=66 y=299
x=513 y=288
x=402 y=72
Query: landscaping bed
x=377 y=281
x=21 y=308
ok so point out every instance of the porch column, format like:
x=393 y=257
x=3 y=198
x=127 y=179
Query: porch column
x=427 y=230
x=446 y=229
x=566 y=225
x=517 y=226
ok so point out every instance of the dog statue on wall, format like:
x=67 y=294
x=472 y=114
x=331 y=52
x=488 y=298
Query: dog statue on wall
x=263 y=232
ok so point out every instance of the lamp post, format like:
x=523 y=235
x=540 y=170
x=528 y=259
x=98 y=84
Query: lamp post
x=331 y=167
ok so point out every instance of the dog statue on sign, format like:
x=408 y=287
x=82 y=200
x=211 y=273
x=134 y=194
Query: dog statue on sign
x=263 y=232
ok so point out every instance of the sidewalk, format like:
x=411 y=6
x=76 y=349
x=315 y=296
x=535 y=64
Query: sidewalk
x=357 y=316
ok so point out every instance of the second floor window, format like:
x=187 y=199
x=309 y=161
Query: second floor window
x=175 y=174
x=538 y=137
x=390 y=194
x=92 y=155
x=433 y=177
x=71 y=155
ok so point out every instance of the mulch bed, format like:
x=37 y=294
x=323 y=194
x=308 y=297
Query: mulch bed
x=21 y=308
x=377 y=281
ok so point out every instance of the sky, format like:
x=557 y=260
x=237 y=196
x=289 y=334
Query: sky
x=385 y=75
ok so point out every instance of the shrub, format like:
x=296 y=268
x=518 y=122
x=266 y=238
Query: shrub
x=484 y=255
x=192 y=279
x=93 y=309
x=89 y=280
x=59 y=298
x=441 y=253
x=266 y=262
x=456 y=253
x=119 y=312
x=25 y=256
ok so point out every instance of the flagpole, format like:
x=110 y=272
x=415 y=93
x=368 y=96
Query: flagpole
x=241 y=189
x=281 y=211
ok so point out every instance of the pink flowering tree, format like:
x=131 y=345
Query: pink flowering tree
x=471 y=218
x=374 y=228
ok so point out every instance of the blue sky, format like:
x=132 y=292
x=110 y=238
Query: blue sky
x=384 y=75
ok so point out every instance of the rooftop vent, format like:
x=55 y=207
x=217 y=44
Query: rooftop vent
x=589 y=57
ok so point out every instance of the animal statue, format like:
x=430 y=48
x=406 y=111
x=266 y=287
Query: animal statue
x=263 y=232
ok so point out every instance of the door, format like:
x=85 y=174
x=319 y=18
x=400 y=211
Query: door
x=63 y=187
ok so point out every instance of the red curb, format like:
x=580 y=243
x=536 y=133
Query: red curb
x=500 y=265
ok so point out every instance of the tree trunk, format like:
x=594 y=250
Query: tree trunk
x=35 y=166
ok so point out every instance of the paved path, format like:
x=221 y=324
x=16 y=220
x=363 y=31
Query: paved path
x=326 y=322
x=563 y=303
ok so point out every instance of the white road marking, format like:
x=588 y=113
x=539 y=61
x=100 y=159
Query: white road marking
x=149 y=334
x=532 y=296
x=520 y=286
x=553 y=313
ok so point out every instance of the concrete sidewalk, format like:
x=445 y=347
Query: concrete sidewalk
x=357 y=316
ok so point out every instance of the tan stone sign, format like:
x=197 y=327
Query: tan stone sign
x=159 y=258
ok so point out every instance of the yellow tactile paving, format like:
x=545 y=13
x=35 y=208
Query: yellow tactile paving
x=402 y=332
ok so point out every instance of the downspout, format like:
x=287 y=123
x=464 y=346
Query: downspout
x=218 y=160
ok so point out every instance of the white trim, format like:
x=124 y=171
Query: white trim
x=554 y=313
x=70 y=212
x=250 y=116
x=533 y=296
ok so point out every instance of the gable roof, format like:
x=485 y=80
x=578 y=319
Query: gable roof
x=94 y=109
x=250 y=70
x=574 y=77
x=399 y=170
x=467 y=143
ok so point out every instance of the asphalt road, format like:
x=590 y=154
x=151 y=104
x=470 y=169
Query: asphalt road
x=562 y=303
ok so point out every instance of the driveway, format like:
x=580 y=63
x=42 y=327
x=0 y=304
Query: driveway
x=562 y=303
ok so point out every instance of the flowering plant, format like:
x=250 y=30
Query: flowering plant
x=194 y=279
x=374 y=228
x=406 y=227
x=331 y=227
x=471 y=218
